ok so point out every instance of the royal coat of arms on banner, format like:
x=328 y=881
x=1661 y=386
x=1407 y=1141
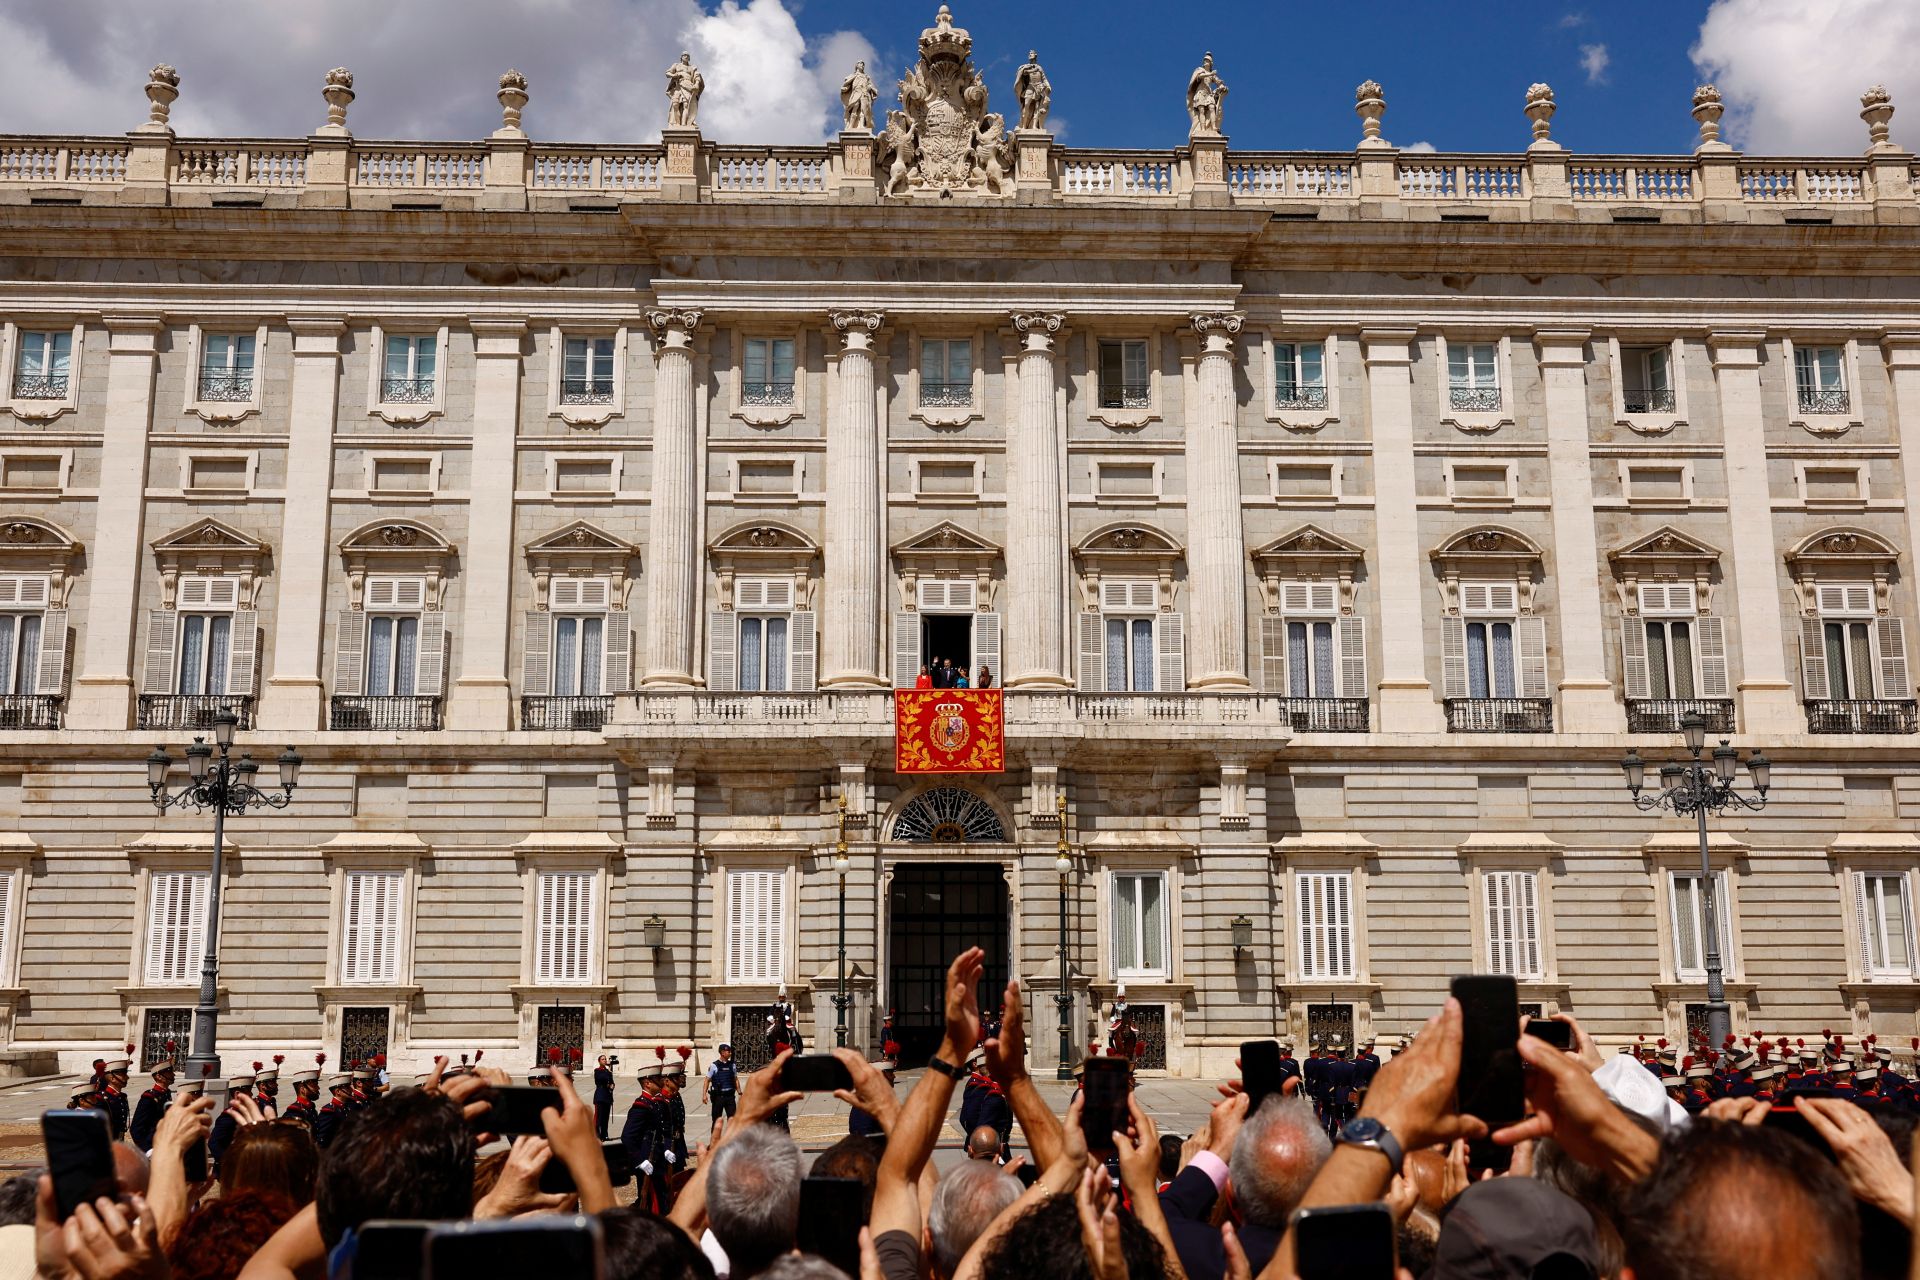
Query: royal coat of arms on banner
x=949 y=731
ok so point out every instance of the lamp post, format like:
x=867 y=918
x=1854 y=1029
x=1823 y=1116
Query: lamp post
x=840 y=866
x=1063 y=998
x=1695 y=788
x=226 y=786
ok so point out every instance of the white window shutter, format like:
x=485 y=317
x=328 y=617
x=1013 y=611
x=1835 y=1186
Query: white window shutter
x=6 y=913
x=595 y=593
x=1530 y=635
x=1453 y=657
x=1093 y=653
x=1891 y=635
x=736 y=925
x=1322 y=597
x=386 y=928
x=1473 y=597
x=1113 y=595
x=349 y=653
x=243 y=663
x=1859 y=598
x=1273 y=654
x=198 y=884
x=431 y=675
x=722 y=645
x=960 y=593
x=163 y=627
x=756 y=910
x=779 y=593
x=1527 y=913
x=1353 y=657
x=931 y=593
x=1307 y=891
x=1296 y=597
x=1170 y=652
x=1871 y=960
x=1829 y=598
x=51 y=678
x=536 y=658
x=618 y=652
x=906 y=649
x=750 y=593
x=1633 y=654
x=986 y=646
x=1341 y=924
x=190 y=591
x=804 y=652
x=1813 y=660
x=163 y=914
x=1710 y=643
x=1502 y=598
x=564 y=594
x=1499 y=922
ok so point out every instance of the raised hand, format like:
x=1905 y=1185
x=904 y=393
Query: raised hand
x=963 y=1001
x=1007 y=1052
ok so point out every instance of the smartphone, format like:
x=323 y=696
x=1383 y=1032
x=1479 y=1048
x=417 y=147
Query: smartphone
x=1104 y=1088
x=815 y=1073
x=383 y=1249
x=1557 y=1034
x=516 y=1109
x=1491 y=1083
x=1259 y=1071
x=557 y=1179
x=566 y=1245
x=1344 y=1242
x=831 y=1213
x=193 y=1161
x=80 y=1158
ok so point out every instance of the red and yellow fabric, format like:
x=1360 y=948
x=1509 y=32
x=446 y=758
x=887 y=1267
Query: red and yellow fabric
x=949 y=731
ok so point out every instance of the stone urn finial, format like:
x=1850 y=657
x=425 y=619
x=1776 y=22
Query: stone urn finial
x=1370 y=105
x=338 y=91
x=1540 y=109
x=1876 y=108
x=1707 y=110
x=163 y=86
x=513 y=96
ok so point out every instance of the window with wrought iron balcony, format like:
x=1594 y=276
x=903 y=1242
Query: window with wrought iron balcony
x=1125 y=381
x=1473 y=377
x=587 y=371
x=389 y=660
x=407 y=377
x=202 y=657
x=1820 y=380
x=946 y=373
x=1675 y=661
x=1299 y=375
x=43 y=366
x=226 y=368
x=1647 y=374
x=32 y=673
x=576 y=654
x=766 y=371
x=1854 y=666
x=1319 y=657
x=1494 y=664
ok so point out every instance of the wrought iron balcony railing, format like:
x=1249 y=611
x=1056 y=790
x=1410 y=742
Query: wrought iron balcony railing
x=1863 y=715
x=30 y=711
x=218 y=383
x=1326 y=715
x=1662 y=715
x=401 y=712
x=1812 y=401
x=406 y=391
x=1648 y=399
x=1474 y=399
x=586 y=714
x=39 y=386
x=191 y=711
x=946 y=394
x=1125 y=395
x=586 y=391
x=1300 y=398
x=767 y=392
x=1499 y=715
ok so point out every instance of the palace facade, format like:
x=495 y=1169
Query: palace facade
x=1335 y=522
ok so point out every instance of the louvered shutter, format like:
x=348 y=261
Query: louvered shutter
x=354 y=949
x=430 y=676
x=163 y=627
x=536 y=658
x=1453 y=657
x=1529 y=909
x=51 y=678
x=1633 y=656
x=986 y=645
x=243 y=664
x=1093 y=653
x=176 y=922
x=1530 y=635
x=906 y=649
x=195 y=930
x=1353 y=657
x=349 y=653
x=1710 y=642
x=1326 y=924
x=1891 y=633
x=722 y=644
x=1813 y=660
x=1513 y=923
x=1311 y=911
x=1871 y=959
x=1170 y=652
x=1273 y=654
x=6 y=914
x=756 y=910
x=619 y=652
x=563 y=950
x=163 y=915
x=372 y=927
x=1500 y=922
x=803 y=652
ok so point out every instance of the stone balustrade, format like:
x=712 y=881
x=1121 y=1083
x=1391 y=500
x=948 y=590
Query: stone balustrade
x=675 y=712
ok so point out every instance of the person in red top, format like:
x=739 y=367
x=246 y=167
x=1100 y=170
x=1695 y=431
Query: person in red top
x=923 y=680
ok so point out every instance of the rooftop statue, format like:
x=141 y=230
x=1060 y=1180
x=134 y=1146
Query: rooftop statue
x=1206 y=100
x=858 y=93
x=684 y=87
x=1035 y=92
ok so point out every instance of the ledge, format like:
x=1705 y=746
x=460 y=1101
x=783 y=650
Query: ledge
x=1348 y=843
x=174 y=996
x=17 y=845
x=367 y=995
x=361 y=847
x=1668 y=846
x=1901 y=991
x=1138 y=842
x=1856 y=843
x=585 y=993
x=1307 y=991
x=1696 y=992
x=1482 y=843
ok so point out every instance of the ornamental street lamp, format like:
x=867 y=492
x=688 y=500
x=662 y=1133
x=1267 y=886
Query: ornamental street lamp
x=1695 y=788
x=1063 y=998
x=840 y=866
x=225 y=786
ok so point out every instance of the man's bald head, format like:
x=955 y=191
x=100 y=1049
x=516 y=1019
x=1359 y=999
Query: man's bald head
x=130 y=1168
x=983 y=1143
x=1280 y=1148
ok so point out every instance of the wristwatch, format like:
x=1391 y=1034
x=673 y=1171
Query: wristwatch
x=1371 y=1135
x=945 y=1068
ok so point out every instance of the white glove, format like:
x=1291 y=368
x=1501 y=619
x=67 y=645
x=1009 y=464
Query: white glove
x=646 y=1167
x=671 y=1158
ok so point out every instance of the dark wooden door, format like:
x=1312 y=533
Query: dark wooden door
x=935 y=911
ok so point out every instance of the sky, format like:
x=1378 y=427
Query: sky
x=1455 y=74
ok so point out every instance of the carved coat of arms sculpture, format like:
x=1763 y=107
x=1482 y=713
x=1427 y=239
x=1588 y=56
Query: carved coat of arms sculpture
x=943 y=138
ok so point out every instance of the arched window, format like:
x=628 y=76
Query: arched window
x=949 y=815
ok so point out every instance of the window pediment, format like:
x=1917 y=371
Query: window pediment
x=1666 y=553
x=1130 y=551
x=764 y=549
x=208 y=547
x=396 y=546
x=945 y=550
x=28 y=545
x=1843 y=554
x=1308 y=552
x=1487 y=553
x=581 y=549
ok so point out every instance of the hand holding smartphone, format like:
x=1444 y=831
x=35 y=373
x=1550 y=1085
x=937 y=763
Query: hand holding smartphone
x=1259 y=1071
x=515 y=1109
x=815 y=1073
x=80 y=1158
x=1104 y=1085
x=1345 y=1242
x=1492 y=1087
x=1557 y=1034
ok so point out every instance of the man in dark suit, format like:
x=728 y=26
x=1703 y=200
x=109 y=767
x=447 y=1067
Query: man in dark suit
x=1273 y=1155
x=602 y=1096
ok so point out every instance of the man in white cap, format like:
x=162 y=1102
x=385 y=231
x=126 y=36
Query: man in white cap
x=227 y=1123
x=152 y=1105
x=326 y=1123
x=113 y=1098
x=306 y=1094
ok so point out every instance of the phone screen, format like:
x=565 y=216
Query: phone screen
x=1491 y=1084
x=193 y=1161
x=1557 y=1034
x=815 y=1073
x=80 y=1158
x=556 y=1246
x=1104 y=1090
x=516 y=1109
x=1259 y=1071
x=1344 y=1242
x=831 y=1212
x=384 y=1249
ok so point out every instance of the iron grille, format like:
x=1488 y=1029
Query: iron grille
x=29 y=711
x=766 y=392
x=949 y=815
x=1327 y=715
x=1648 y=399
x=1698 y=1028
x=1812 y=401
x=406 y=391
x=747 y=1033
x=218 y=383
x=1125 y=395
x=190 y=711
x=1149 y=1022
x=157 y=1026
x=588 y=714
x=39 y=386
x=363 y=1035
x=586 y=391
x=402 y=712
x=1326 y=1021
x=1499 y=715
x=1474 y=399
x=1662 y=715
x=1301 y=398
x=562 y=1027
x=946 y=394
x=934 y=910
x=1862 y=715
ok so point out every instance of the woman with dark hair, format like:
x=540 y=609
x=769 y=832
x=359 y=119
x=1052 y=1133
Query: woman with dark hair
x=986 y=677
x=276 y=1157
x=217 y=1238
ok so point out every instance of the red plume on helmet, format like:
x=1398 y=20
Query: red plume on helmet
x=320 y=1059
x=99 y=1063
x=129 y=1046
x=1826 y=1033
x=279 y=1058
x=259 y=1066
x=380 y=1060
x=1686 y=1062
x=477 y=1055
x=553 y=1054
x=685 y=1051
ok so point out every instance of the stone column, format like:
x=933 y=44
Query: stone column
x=1406 y=695
x=672 y=551
x=1035 y=641
x=1587 y=703
x=295 y=696
x=1216 y=537
x=482 y=695
x=852 y=645
x=103 y=690
x=1768 y=704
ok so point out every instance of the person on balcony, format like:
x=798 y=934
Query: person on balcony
x=923 y=680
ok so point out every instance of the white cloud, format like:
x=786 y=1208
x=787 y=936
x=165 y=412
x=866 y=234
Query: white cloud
x=422 y=68
x=1571 y=20
x=1594 y=60
x=1420 y=148
x=1791 y=71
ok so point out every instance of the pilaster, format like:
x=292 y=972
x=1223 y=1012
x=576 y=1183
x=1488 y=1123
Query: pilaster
x=1033 y=166
x=1216 y=539
x=482 y=696
x=673 y=580
x=680 y=175
x=852 y=646
x=1207 y=160
x=1036 y=630
x=856 y=167
x=1406 y=695
x=1903 y=369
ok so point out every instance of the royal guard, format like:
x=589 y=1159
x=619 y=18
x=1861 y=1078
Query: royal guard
x=85 y=1096
x=99 y=1077
x=113 y=1094
x=677 y=1106
x=266 y=1084
x=339 y=1105
x=782 y=1035
x=306 y=1093
x=1698 y=1076
x=646 y=1142
x=1289 y=1065
x=1366 y=1064
x=226 y=1124
x=153 y=1103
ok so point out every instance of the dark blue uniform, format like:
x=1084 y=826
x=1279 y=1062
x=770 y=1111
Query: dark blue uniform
x=114 y=1103
x=146 y=1115
x=602 y=1100
x=326 y=1122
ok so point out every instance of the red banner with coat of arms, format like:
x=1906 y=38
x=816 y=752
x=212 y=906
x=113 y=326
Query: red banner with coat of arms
x=949 y=731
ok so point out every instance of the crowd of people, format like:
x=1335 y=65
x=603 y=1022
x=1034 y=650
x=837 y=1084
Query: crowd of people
x=942 y=674
x=1610 y=1171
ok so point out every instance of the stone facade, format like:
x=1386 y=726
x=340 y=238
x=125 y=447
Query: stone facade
x=1335 y=523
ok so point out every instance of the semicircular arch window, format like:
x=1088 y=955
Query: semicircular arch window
x=949 y=815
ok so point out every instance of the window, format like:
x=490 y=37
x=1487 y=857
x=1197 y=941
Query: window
x=763 y=653
x=1513 y=923
x=1473 y=377
x=756 y=913
x=403 y=475
x=1311 y=650
x=582 y=475
x=370 y=934
x=1849 y=652
x=563 y=923
x=206 y=642
x=1490 y=639
x=1689 y=946
x=766 y=371
x=43 y=365
x=1672 y=651
x=29 y=472
x=1126 y=479
x=1820 y=379
x=767 y=477
x=946 y=371
x=580 y=632
x=586 y=371
x=407 y=375
x=944 y=478
x=176 y=926
x=1140 y=925
x=1299 y=375
x=23 y=599
x=1648 y=376
x=226 y=366
x=1124 y=379
x=1140 y=647
x=217 y=473
x=1325 y=906
x=1884 y=907
x=393 y=636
